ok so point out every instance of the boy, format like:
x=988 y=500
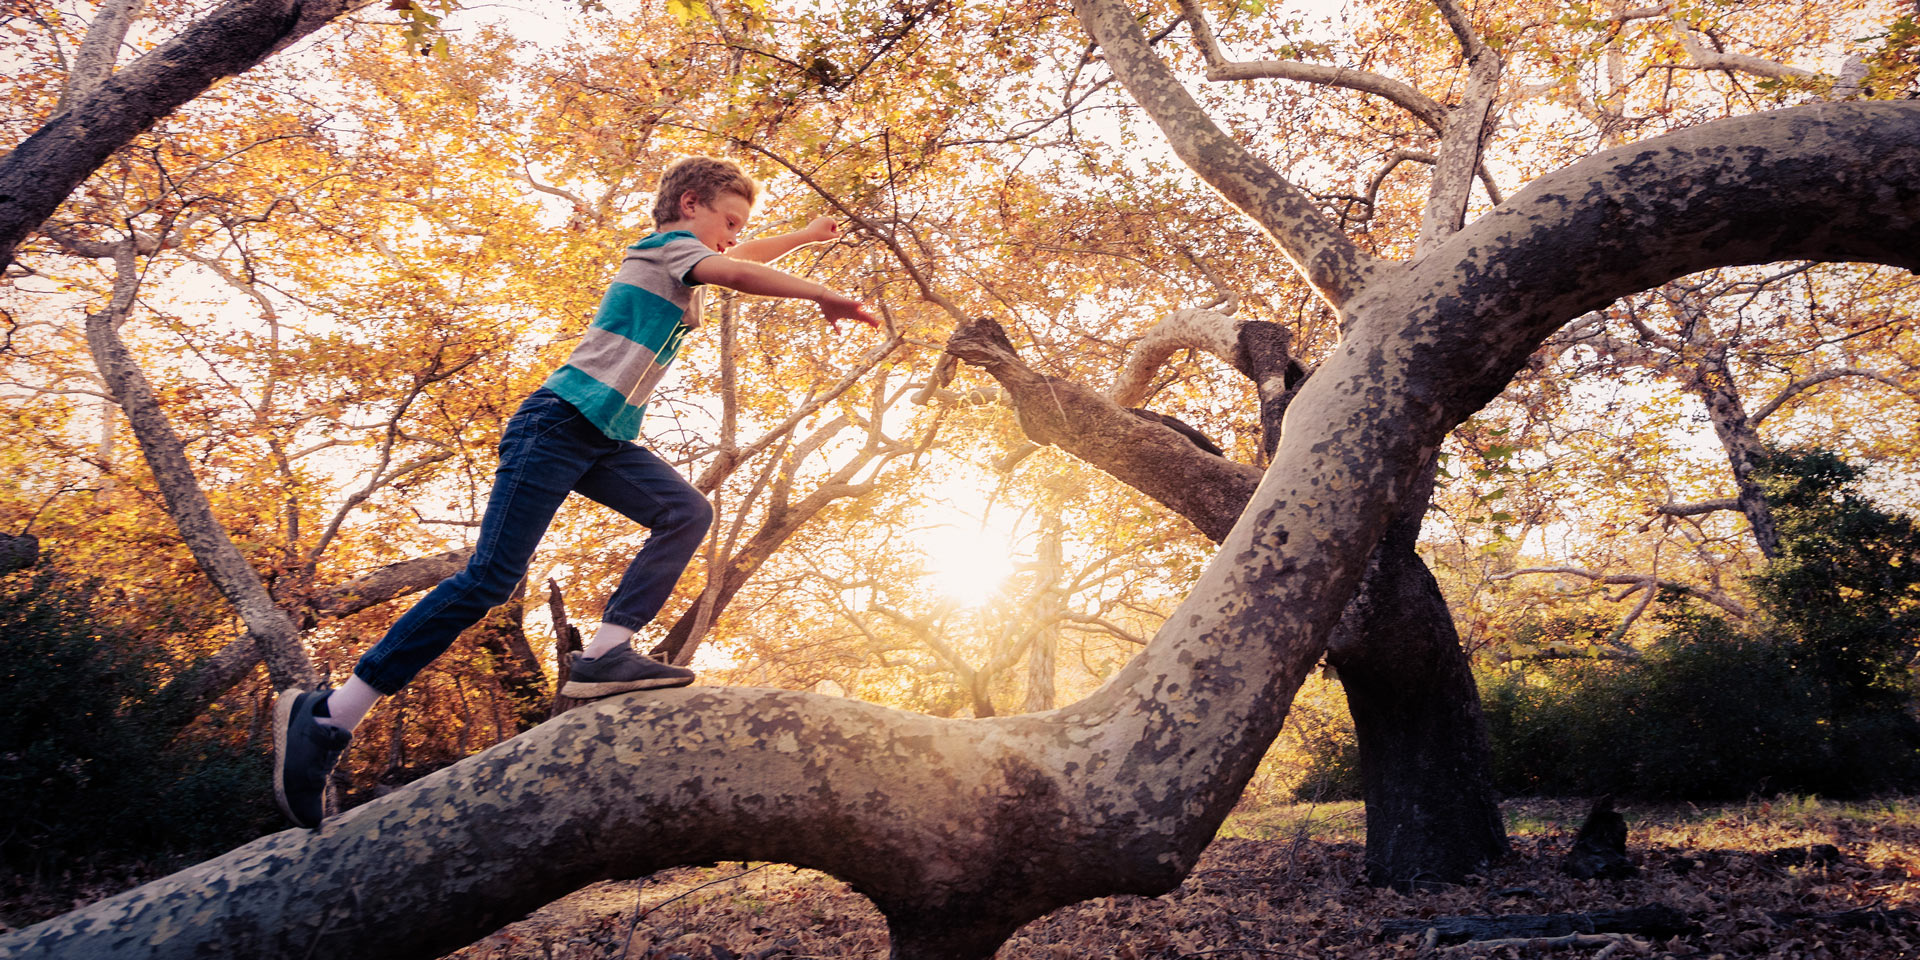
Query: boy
x=575 y=434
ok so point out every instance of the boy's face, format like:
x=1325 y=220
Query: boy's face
x=716 y=224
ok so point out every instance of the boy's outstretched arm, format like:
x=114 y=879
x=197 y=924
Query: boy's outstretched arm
x=764 y=281
x=769 y=249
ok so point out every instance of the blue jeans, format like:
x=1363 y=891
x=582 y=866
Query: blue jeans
x=549 y=450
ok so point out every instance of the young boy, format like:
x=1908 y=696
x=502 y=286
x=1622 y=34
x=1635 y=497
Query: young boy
x=575 y=434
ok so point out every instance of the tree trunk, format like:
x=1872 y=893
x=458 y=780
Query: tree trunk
x=1425 y=762
x=1712 y=382
x=273 y=632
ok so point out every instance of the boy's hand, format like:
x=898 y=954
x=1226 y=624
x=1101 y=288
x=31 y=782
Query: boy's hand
x=820 y=230
x=836 y=307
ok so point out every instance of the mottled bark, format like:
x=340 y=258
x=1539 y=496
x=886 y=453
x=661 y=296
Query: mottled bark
x=1426 y=765
x=1712 y=382
x=960 y=830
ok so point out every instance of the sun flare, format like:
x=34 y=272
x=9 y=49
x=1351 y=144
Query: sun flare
x=966 y=562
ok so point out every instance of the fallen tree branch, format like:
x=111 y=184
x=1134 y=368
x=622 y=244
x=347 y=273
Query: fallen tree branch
x=1657 y=920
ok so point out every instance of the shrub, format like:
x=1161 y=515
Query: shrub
x=1814 y=696
x=81 y=774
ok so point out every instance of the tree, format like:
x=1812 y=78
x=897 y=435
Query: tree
x=961 y=830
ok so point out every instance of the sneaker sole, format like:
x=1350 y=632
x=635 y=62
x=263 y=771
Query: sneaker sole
x=282 y=719
x=579 y=690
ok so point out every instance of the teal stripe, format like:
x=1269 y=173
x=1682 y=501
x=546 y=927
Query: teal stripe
x=653 y=240
x=639 y=315
x=602 y=405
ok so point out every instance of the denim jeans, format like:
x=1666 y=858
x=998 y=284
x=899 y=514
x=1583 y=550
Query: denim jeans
x=550 y=449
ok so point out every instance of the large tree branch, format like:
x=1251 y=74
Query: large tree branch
x=1462 y=137
x=1825 y=182
x=99 y=51
x=1325 y=256
x=39 y=174
x=1145 y=454
x=389 y=582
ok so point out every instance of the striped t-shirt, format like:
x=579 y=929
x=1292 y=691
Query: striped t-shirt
x=635 y=335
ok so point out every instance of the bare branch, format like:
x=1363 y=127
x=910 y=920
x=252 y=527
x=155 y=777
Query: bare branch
x=1697 y=509
x=1707 y=58
x=1182 y=329
x=1470 y=43
x=99 y=51
x=1803 y=384
x=1221 y=70
x=1105 y=625
x=1711 y=595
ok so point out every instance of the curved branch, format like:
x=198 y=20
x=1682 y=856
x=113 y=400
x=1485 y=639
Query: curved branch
x=1325 y=256
x=1221 y=69
x=1707 y=58
x=1831 y=181
x=1803 y=384
x=1195 y=329
x=1145 y=454
x=1711 y=595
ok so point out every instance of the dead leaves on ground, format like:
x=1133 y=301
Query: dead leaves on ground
x=1302 y=898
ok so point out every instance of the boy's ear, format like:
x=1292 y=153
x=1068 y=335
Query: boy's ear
x=689 y=204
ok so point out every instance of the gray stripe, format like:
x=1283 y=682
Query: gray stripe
x=637 y=271
x=613 y=360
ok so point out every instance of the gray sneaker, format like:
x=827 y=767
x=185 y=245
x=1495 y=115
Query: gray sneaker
x=618 y=672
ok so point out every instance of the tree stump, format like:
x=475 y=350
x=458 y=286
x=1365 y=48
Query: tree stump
x=1600 y=848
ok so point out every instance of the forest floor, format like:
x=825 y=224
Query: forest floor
x=1284 y=881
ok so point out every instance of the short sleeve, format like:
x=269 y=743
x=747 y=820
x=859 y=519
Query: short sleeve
x=679 y=255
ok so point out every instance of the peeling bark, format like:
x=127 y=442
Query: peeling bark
x=1712 y=382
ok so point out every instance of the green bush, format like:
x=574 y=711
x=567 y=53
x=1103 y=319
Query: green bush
x=83 y=771
x=1816 y=695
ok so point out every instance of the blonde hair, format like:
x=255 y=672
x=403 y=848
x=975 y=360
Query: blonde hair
x=704 y=177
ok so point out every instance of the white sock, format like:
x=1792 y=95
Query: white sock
x=606 y=640
x=349 y=704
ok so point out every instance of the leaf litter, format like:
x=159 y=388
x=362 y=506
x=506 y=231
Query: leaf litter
x=1752 y=878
